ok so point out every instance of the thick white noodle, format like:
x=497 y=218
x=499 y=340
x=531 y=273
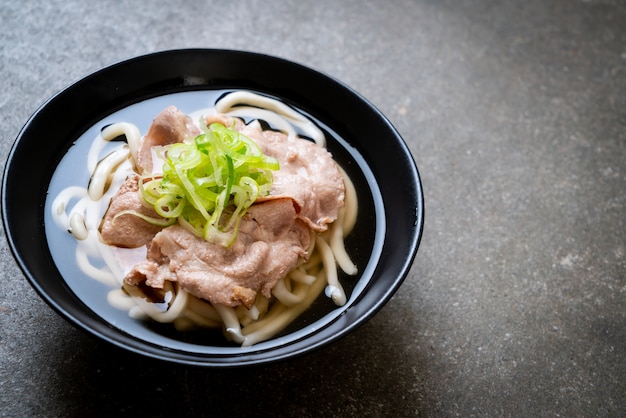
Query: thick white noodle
x=300 y=275
x=95 y=151
x=280 y=316
x=130 y=131
x=104 y=171
x=107 y=254
x=228 y=105
x=195 y=320
x=284 y=295
x=202 y=309
x=272 y=118
x=175 y=309
x=120 y=300
x=232 y=327
x=338 y=247
x=351 y=207
x=61 y=203
x=334 y=290
x=251 y=314
x=103 y=276
x=77 y=226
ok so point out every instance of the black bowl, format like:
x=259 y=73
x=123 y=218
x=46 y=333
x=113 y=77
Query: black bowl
x=384 y=242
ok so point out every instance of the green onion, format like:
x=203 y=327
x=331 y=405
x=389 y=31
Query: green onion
x=149 y=219
x=208 y=184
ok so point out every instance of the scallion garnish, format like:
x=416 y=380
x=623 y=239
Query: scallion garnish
x=209 y=184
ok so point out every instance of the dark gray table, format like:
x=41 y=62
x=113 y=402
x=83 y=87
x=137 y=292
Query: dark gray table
x=516 y=115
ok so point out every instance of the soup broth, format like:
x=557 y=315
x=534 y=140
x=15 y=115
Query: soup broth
x=363 y=244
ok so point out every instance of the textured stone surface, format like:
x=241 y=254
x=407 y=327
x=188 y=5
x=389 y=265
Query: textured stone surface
x=516 y=115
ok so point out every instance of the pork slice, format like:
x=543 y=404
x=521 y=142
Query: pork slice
x=270 y=243
x=170 y=126
x=308 y=175
x=127 y=230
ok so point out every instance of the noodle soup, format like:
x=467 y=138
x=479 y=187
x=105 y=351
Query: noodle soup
x=102 y=296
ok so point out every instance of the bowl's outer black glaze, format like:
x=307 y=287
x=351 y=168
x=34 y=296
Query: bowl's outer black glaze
x=54 y=126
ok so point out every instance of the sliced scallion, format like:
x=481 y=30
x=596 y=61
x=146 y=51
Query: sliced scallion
x=208 y=184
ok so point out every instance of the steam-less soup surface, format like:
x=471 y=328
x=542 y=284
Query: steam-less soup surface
x=362 y=244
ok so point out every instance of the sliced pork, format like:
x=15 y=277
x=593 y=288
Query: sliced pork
x=271 y=242
x=274 y=235
x=125 y=229
x=308 y=174
x=168 y=127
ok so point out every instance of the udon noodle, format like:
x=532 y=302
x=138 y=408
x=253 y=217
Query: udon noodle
x=80 y=209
